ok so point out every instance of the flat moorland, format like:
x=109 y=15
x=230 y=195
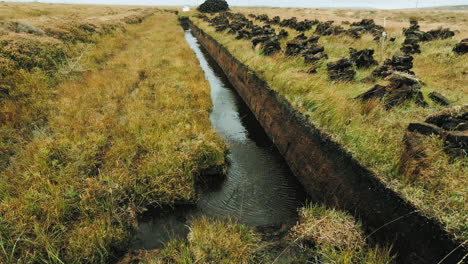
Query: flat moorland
x=374 y=128
x=104 y=114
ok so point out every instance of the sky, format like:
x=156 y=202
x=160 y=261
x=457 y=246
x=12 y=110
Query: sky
x=385 y=4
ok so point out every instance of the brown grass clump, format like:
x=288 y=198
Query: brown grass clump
x=29 y=51
x=328 y=227
x=337 y=238
x=221 y=242
x=211 y=241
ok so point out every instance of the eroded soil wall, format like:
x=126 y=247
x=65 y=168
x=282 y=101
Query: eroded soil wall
x=331 y=175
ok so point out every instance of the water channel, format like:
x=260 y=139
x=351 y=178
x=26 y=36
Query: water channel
x=259 y=188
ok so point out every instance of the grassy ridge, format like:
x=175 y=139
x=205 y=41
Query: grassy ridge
x=372 y=134
x=38 y=51
x=131 y=131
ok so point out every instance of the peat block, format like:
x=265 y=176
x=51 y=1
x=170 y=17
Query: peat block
x=341 y=70
x=439 y=99
x=452 y=127
x=401 y=63
x=401 y=88
x=425 y=128
x=452 y=119
x=327 y=28
x=362 y=58
x=271 y=46
x=456 y=143
x=213 y=6
x=462 y=47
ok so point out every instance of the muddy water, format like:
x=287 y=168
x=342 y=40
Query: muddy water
x=259 y=188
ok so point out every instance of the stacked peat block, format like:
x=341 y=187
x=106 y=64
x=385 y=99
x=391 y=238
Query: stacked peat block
x=275 y=20
x=263 y=18
x=308 y=48
x=283 y=34
x=403 y=84
x=414 y=36
x=213 y=6
x=400 y=63
x=402 y=87
x=451 y=125
x=462 y=47
x=220 y=22
x=291 y=22
x=267 y=39
x=238 y=22
x=362 y=58
x=365 y=26
x=341 y=70
x=440 y=33
x=327 y=28
x=305 y=25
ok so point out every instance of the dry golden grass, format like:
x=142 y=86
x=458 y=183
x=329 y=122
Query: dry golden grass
x=37 y=51
x=328 y=227
x=127 y=128
x=372 y=134
x=211 y=241
x=337 y=238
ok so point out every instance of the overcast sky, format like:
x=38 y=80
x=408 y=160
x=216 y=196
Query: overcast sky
x=280 y=3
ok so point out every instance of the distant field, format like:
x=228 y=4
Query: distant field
x=459 y=7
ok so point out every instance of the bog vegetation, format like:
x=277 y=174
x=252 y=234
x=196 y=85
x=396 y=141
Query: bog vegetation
x=321 y=236
x=102 y=116
x=365 y=88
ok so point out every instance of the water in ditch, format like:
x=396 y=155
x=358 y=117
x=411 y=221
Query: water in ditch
x=259 y=189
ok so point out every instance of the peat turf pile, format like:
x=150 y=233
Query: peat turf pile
x=341 y=70
x=462 y=47
x=451 y=125
x=400 y=63
x=401 y=88
x=327 y=29
x=362 y=58
x=306 y=47
x=265 y=37
x=213 y=6
x=413 y=36
x=365 y=26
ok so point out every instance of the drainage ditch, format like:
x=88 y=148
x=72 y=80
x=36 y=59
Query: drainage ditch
x=259 y=189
